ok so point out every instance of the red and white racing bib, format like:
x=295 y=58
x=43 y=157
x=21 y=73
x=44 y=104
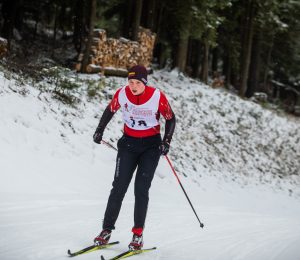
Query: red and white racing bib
x=140 y=117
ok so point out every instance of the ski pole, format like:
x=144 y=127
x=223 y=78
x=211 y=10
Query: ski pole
x=109 y=145
x=201 y=224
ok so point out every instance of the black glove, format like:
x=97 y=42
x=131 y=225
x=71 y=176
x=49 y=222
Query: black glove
x=98 y=135
x=165 y=145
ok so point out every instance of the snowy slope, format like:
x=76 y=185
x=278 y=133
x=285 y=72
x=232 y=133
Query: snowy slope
x=238 y=163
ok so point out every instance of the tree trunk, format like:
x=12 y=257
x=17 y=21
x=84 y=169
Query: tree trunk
x=267 y=65
x=159 y=53
x=246 y=54
x=9 y=14
x=12 y=22
x=5 y=13
x=181 y=54
x=204 y=69
x=227 y=75
x=150 y=14
x=158 y=48
x=128 y=18
x=90 y=37
x=137 y=18
x=162 y=58
x=226 y=70
x=234 y=78
x=55 y=29
x=225 y=64
x=254 y=65
x=37 y=18
x=244 y=28
x=160 y=18
x=189 y=53
x=215 y=59
x=189 y=58
x=197 y=60
x=78 y=25
x=181 y=50
x=87 y=15
x=62 y=17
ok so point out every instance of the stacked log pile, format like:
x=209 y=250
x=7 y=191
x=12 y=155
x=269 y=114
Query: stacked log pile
x=3 y=47
x=218 y=83
x=116 y=56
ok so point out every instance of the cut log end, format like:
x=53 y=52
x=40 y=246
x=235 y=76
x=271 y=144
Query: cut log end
x=78 y=66
x=93 y=68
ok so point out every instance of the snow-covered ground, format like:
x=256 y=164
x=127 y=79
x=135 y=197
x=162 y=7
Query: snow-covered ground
x=238 y=163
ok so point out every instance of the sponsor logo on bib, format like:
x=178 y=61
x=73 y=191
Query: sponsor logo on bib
x=141 y=112
x=126 y=107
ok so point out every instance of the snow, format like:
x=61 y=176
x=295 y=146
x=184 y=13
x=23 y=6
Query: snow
x=43 y=62
x=238 y=163
x=17 y=35
x=95 y=66
x=3 y=40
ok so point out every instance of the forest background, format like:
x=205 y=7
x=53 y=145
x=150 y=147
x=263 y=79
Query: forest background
x=254 y=45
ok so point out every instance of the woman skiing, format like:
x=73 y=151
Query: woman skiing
x=140 y=147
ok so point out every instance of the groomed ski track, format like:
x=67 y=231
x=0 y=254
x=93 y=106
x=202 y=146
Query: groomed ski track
x=55 y=184
x=44 y=226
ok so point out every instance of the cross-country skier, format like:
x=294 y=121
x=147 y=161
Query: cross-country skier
x=140 y=147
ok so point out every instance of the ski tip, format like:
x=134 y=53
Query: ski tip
x=102 y=258
x=69 y=252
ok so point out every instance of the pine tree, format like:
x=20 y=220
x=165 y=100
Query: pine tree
x=90 y=37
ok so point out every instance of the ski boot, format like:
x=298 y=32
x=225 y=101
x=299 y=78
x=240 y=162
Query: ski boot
x=137 y=239
x=103 y=237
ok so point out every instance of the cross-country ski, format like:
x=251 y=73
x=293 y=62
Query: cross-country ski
x=129 y=253
x=92 y=248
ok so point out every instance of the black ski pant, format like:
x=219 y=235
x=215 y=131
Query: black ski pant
x=142 y=153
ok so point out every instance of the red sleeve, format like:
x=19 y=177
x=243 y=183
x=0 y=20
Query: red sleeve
x=114 y=104
x=164 y=107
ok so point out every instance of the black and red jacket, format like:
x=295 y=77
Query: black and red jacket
x=164 y=109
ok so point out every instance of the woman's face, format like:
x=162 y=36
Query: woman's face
x=136 y=87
